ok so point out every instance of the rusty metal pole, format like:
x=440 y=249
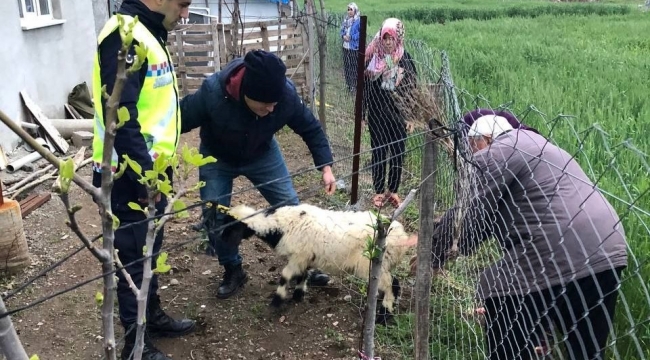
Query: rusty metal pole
x=358 y=109
x=2 y=200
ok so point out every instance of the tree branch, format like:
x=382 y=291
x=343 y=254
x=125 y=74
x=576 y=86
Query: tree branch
x=126 y=274
x=74 y=226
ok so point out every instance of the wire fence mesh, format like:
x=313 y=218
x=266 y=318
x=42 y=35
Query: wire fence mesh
x=554 y=255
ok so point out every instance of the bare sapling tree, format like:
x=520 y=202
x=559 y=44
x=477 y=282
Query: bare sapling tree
x=375 y=248
x=156 y=181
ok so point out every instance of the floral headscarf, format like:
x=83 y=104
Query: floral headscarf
x=382 y=64
x=375 y=50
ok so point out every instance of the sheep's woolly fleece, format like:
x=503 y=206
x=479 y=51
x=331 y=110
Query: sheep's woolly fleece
x=337 y=239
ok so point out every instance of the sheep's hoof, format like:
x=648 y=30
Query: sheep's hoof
x=383 y=316
x=298 y=295
x=276 y=302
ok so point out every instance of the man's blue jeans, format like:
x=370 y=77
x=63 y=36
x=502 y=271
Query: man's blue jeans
x=268 y=168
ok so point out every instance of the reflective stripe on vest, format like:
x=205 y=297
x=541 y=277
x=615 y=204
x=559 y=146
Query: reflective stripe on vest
x=158 y=104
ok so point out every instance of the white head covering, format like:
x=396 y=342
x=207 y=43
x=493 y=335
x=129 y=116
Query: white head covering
x=489 y=125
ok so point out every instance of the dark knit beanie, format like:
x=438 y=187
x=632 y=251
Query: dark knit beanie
x=265 y=77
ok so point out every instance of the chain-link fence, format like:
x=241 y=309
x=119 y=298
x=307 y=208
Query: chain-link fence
x=542 y=246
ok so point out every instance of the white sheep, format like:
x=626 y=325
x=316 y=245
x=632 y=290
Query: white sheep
x=332 y=241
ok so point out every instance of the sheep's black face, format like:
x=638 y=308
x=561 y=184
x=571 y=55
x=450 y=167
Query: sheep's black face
x=235 y=231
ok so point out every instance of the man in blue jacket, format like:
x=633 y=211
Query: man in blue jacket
x=239 y=110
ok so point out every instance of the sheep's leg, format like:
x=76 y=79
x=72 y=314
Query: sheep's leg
x=291 y=270
x=389 y=287
x=301 y=286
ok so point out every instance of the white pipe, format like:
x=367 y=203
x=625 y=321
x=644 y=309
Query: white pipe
x=66 y=127
x=27 y=125
x=18 y=163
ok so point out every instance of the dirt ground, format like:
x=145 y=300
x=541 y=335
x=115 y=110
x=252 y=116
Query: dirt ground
x=326 y=325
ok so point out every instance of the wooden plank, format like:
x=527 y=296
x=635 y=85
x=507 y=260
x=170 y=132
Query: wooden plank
x=298 y=51
x=293 y=41
x=265 y=38
x=254 y=24
x=181 y=61
x=229 y=46
x=193 y=27
x=195 y=70
x=193 y=82
x=207 y=36
x=196 y=48
x=297 y=70
x=33 y=202
x=216 y=47
x=257 y=34
x=58 y=140
x=193 y=59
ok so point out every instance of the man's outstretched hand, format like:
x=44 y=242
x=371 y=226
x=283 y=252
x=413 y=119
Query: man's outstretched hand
x=329 y=180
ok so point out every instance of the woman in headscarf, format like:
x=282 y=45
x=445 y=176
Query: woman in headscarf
x=390 y=72
x=350 y=35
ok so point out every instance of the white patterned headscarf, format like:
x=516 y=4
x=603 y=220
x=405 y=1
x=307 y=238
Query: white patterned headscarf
x=351 y=19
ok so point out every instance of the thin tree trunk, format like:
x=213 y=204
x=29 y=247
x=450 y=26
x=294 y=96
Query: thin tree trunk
x=375 y=271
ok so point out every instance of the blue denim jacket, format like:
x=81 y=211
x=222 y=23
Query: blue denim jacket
x=354 y=34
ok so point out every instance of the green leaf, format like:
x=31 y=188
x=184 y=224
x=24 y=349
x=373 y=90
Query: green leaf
x=135 y=206
x=161 y=264
x=198 y=185
x=144 y=249
x=193 y=157
x=180 y=206
x=120 y=171
x=116 y=222
x=34 y=357
x=165 y=187
x=140 y=57
x=99 y=298
x=161 y=163
x=123 y=116
x=105 y=94
x=133 y=165
x=66 y=171
x=75 y=208
x=151 y=176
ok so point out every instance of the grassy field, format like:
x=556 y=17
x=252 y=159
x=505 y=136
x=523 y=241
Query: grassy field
x=592 y=64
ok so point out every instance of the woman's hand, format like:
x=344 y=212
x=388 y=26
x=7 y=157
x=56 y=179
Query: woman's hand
x=410 y=126
x=400 y=75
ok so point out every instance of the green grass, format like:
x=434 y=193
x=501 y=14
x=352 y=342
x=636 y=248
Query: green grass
x=590 y=62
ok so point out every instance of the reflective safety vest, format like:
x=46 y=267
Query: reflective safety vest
x=158 y=104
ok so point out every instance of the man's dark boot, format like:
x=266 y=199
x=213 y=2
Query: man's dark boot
x=234 y=278
x=160 y=324
x=148 y=353
x=318 y=278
